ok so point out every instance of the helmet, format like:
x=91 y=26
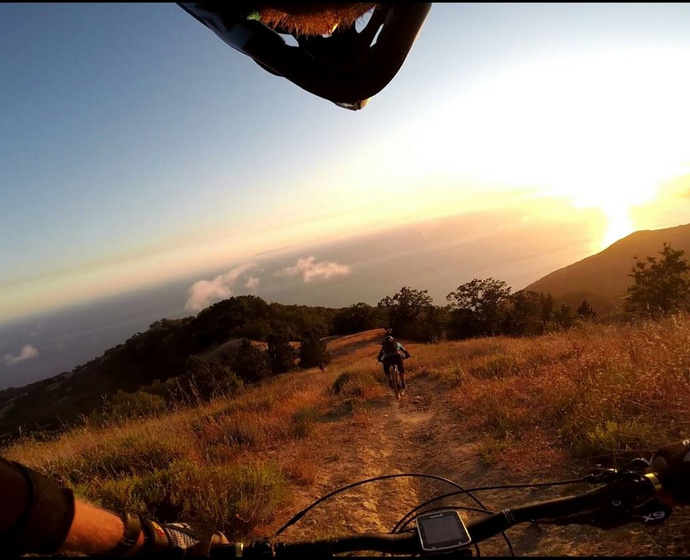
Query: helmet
x=388 y=338
x=345 y=68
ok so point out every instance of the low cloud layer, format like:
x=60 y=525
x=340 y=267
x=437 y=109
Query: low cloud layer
x=312 y=270
x=26 y=353
x=205 y=292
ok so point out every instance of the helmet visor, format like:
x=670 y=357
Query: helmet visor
x=347 y=67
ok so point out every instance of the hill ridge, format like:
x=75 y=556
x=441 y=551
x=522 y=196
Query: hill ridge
x=604 y=275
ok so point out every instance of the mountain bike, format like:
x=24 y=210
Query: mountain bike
x=635 y=493
x=395 y=382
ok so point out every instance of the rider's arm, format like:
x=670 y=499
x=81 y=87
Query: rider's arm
x=378 y=359
x=38 y=516
x=401 y=347
x=96 y=531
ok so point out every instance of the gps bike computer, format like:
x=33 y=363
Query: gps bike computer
x=442 y=530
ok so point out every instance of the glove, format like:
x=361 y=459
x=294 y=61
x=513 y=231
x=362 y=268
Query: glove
x=672 y=463
x=179 y=539
x=47 y=514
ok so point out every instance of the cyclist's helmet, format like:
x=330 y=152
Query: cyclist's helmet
x=388 y=338
x=347 y=67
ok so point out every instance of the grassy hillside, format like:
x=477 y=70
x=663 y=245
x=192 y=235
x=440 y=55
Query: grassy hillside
x=160 y=353
x=481 y=411
x=602 y=278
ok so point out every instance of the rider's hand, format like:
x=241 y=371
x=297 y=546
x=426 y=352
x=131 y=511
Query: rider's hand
x=180 y=539
x=672 y=463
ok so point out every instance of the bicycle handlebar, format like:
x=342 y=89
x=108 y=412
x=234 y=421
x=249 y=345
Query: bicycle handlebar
x=628 y=497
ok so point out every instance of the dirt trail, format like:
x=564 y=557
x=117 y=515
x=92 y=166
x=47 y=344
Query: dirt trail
x=388 y=437
x=418 y=434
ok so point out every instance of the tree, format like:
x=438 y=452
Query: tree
x=563 y=316
x=313 y=352
x=251 y=363
x=479 y=307
x=524 y=315
x=356 y=318
x=548 y=308
x=281 y=355
x=660 y=285
x=586 y=312
x=405 y=308
x=209 y=379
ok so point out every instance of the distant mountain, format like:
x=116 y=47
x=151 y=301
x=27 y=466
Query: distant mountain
x=602 y=279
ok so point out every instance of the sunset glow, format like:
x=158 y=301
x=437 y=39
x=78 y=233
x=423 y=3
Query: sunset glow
x=578 y=114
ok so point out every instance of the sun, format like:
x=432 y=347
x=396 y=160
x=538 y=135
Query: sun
x=619 y=224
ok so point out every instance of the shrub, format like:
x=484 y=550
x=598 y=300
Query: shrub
x=303 y=422
x=251 y=363
x=352 y=384
x=134 y=405
x=281 y=354
x=233 y=498
x=205 y=380
x=126 y=456
x=313 y=352
x=244 y=431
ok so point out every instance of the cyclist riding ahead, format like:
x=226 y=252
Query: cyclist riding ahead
x=390 y=354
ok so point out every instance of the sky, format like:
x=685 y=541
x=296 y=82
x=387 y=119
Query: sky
x=137 y=148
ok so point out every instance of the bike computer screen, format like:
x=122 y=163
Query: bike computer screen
x=442 y=530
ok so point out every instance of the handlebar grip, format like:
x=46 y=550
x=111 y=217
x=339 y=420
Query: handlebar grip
x=671 y=464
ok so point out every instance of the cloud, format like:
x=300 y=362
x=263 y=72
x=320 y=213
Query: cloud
x=312 y=270
x=26 y=353
x=205 y=292
x=252 y=282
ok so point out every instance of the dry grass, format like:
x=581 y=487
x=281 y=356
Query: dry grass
x=207 y=464
x=597 y=393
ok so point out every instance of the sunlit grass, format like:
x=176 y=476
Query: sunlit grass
x=535 y=406
x=598 y=392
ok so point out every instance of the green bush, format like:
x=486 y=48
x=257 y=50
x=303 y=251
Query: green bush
x=124 y=457
x=303 y=422
x=313 y=352
x=205 y=380
x=243 y=432
x=134 y=405
x=251 y=363
x=611 y=438
x=351 y=384
x=232 y=498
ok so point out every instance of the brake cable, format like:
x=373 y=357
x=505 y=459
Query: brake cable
x=303 y=512
x=404 y=521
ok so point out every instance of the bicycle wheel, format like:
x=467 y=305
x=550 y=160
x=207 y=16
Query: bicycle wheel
x=395 y=381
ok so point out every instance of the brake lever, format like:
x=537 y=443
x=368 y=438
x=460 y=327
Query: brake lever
x=602 y=475
x=605 y=475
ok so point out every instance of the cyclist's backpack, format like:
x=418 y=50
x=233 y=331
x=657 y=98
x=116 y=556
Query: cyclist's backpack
x=390 y=346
